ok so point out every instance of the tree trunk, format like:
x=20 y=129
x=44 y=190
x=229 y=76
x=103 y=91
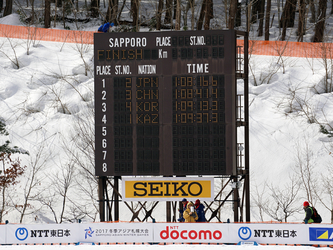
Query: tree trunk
x=208 y=14
x=111 y=15
x=238 y=15
x=232 y=14
x=168 y=11
x=93 y=9
x=192 y=15
x=301 y=21
x=159 y=14
x=9 y=8
x=313 y=11
x=202 y=14
x=178 y=16
x=134 y=11
x=267 y=19
x=261 y=18
x=288 y=13
x=108 y=12
x=1 y=5
x=47 y=14
x=120 y=11
x=114 y=12
x=320 y=25
x=255 y=10
x=32 y=11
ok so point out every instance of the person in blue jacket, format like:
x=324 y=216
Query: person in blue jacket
x=105 y=27
x=199 y=208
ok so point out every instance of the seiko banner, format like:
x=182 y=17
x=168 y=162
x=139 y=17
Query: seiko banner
x=167 y=189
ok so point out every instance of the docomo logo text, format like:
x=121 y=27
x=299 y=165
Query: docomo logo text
x=174 y=233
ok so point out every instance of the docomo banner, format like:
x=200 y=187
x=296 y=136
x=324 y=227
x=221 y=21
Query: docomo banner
x=167 y=189
x=191 y=232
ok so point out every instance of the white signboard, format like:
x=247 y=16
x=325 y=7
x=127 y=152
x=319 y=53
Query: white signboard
x=42 y=233
x=2 y=234
x=233 y=233
x=116 y=232
x=191 y=232
x=284 y=233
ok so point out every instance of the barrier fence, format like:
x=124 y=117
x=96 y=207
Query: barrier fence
x=167 y=233
x=256 y=47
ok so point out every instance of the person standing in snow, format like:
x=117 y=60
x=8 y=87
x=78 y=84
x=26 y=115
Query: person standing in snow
x=181 y=211
x=190 y=215
x=311 y=215
x=199 y=208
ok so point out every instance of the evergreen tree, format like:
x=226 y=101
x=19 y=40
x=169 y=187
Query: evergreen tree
x=11 y=168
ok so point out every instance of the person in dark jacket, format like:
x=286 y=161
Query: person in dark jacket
x=310 y=216
x=199 y=208
x=181 y=211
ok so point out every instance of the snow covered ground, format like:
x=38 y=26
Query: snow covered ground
x=46 y=96
x=159 y=247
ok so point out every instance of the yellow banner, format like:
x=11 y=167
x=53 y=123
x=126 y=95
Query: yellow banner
x=169 y=189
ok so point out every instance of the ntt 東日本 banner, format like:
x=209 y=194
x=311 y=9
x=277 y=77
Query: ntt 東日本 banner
x=167 y=189
x=229 y=233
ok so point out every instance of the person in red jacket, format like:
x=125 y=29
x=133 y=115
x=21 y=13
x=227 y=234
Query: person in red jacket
x=311 y=214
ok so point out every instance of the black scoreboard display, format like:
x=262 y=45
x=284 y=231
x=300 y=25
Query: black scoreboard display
x=165 y=103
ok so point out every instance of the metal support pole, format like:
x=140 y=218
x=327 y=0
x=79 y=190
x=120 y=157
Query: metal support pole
x=101 y=188
x=236 y=200
x=168 y=211
x=116 y=198
x=247 y=140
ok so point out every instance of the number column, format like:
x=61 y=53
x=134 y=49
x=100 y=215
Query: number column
x=103 y=126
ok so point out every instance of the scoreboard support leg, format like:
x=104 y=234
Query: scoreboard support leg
x=116 y=198
x=101 y=197
x=168 y=211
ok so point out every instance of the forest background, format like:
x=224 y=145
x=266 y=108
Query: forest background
x=52 y=180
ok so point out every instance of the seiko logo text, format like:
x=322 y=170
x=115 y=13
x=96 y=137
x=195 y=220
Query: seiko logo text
x=167 y=188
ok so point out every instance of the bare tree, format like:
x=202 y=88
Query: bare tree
x=261 y=18
x=168 y=11
x=32 y=187
x=9 y=8
x=288 y=17
x=324 y=192
x=62 y=181
x=285 y=200
x=267 y=18
x=320 y=25
x=301 y=20
x=47 y=14
x=305 y=170
x=260 y=200
x=178 y=15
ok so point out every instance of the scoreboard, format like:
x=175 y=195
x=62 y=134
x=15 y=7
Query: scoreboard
x=165 y=103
